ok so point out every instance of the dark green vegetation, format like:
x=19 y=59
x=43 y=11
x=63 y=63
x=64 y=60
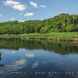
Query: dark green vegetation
x=60 y=23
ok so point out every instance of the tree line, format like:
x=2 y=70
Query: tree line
x=60 y=23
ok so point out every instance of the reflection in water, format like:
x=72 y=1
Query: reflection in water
x=29 y=62
x=62 y=47
x=0 y=56
x=37 y=59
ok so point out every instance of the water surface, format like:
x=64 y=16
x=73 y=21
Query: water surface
x=29 y=59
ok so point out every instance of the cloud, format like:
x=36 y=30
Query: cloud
x=15 y=5
x=43 y=6
x=19 y=7
x=29 y=14
x=34 y=4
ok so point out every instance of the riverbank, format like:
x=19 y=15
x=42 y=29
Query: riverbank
x=51 y=36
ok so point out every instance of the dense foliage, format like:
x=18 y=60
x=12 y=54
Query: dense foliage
x=60 y=23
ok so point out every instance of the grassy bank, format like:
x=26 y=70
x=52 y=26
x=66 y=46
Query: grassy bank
x=53 y=35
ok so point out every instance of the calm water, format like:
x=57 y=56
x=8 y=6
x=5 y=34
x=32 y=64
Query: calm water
x=37 y=59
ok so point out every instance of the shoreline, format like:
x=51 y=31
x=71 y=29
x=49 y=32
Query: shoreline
x=50 y=36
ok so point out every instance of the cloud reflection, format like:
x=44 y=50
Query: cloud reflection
x=29 y=55
x=21 y=62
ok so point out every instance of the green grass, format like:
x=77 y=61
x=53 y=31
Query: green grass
x=63 y=35
x=53 y=35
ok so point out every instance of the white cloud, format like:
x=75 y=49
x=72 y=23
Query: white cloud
x=19 y=7
x=43 y=6
x=29 y=14
x=34 y=4
x=15 y=5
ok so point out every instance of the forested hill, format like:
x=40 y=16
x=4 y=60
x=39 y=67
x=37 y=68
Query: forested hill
x=60 y=23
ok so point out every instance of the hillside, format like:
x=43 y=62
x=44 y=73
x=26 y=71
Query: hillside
x=60 y=23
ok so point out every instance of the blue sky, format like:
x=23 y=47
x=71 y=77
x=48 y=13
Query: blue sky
x=35 y=9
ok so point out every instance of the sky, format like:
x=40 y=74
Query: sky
x=35 y=9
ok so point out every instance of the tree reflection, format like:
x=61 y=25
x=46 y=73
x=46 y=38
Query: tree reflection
x=60 y=47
